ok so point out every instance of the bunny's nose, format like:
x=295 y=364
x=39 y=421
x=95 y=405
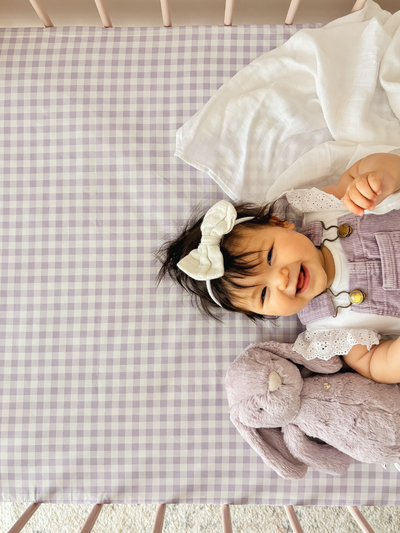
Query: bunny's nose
x=274 y=382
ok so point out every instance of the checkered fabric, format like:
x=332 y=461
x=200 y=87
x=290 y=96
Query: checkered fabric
x=111 y=389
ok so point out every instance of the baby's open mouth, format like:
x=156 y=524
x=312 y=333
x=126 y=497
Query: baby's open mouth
x=302 y=280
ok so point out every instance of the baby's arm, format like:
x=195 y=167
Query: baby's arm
x=368 y=182
x=381 y=363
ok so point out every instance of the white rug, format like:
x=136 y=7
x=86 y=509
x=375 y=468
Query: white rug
x=197 y=519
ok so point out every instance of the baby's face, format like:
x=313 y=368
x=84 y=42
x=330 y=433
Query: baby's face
x=291 y=272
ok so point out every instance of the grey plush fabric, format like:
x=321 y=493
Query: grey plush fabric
x=353 y=416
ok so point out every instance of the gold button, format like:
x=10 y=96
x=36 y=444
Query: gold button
x=357 y=297
x=344 y=231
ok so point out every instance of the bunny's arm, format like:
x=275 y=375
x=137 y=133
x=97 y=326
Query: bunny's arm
x=285 y=350
x=322 y=457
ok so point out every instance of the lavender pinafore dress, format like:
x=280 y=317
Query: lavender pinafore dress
x=372 y=251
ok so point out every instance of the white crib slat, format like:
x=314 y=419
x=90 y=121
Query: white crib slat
x=159 y=521
x=24 y=519
x=358 y=517
x=294 y=521
x=41 y=13
x=165 y=13
x=90 y=522
x=358 y=5
x=105 y=18
x=294 y=6
x=228 y=12
x=226 y=519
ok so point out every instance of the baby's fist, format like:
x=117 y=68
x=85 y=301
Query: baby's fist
x=362 y=193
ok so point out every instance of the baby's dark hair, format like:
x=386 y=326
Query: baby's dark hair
x=236 y=264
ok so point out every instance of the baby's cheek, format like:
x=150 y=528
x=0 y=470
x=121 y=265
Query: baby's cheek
x=290 y=307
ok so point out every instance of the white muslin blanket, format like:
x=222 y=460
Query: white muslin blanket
x=301 y=114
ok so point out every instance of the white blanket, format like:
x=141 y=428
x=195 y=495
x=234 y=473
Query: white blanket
x=298 y=116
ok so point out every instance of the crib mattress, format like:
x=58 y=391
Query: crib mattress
x=112 y=390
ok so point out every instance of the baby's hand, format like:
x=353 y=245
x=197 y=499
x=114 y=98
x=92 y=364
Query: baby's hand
x=362 y=193
x=368 y=182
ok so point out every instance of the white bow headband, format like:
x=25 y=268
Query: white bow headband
x=207 y=262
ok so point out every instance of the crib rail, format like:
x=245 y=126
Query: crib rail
x=24 y=519
x=159 y=520
x=166 y=17
x=101 y=8
x=225 y=509
x=41 y=13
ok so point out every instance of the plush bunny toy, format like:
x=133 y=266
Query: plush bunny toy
x=276 y=411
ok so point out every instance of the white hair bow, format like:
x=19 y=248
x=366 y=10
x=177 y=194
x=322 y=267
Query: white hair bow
x=206 y=262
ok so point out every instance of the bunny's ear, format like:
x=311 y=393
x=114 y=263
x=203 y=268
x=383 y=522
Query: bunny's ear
x=271 y=447
x=285 y=350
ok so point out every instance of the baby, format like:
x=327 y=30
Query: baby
x=340 y=271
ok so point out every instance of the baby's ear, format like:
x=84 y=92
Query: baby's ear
x=288 y=225
x=276 y=221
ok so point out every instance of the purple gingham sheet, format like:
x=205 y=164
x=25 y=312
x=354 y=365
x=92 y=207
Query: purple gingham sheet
x=112 y=389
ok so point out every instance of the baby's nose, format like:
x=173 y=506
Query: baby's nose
x=282 y=278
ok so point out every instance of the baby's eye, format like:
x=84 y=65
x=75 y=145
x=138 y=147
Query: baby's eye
x=264 y=292
x=269 y=256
